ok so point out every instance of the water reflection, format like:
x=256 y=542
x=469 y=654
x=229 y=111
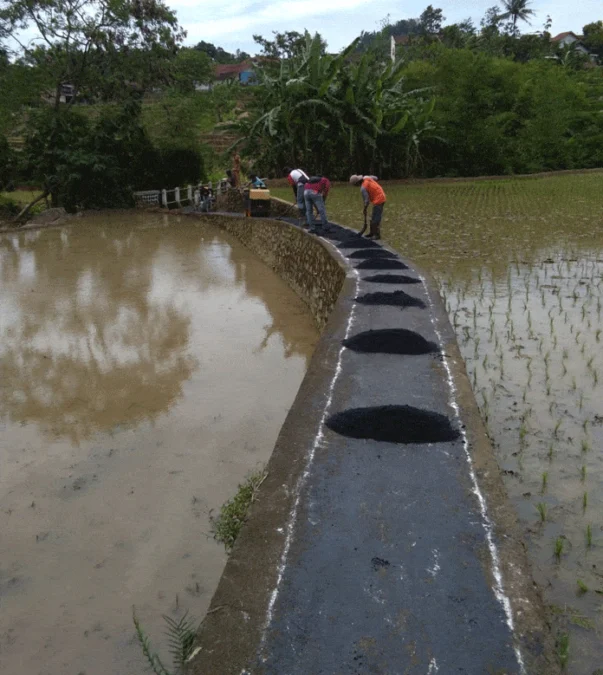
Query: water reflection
x=94 y=329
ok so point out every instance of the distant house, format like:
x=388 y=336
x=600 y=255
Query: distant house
x=241 y=72
x=569 y=39
x=66 y=94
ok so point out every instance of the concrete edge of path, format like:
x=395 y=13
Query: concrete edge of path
x=231 y=634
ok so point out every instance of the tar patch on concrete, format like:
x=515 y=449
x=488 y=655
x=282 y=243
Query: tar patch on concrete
x=381 y=264
x=358 y=242
x=371 y=253
x=393 y=424
x=391 y=341
x=391 y=279
x=395 y=299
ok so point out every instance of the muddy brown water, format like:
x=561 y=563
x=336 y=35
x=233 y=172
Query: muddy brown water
x=147 y=364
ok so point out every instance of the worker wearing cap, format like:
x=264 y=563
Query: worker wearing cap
x=372 y=193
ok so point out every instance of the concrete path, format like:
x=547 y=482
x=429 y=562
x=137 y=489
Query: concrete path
x=388 y=563
x=389 y=569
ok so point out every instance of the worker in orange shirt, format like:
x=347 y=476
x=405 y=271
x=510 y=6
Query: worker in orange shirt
x=372 y=193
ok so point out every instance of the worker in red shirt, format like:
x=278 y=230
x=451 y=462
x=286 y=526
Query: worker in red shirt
x=372 y=193
x=316 y=191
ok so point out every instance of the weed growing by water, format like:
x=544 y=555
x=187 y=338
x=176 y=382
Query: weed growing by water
x=181 y=635
x=227 y=526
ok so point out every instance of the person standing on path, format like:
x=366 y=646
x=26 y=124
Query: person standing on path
x=372 y=193
x=315 y=192
x=297 y=178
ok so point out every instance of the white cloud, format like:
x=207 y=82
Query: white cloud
x=231 y=25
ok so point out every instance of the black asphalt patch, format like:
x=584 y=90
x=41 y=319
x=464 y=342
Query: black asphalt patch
x=381 y=264
x=391 y=279
x=358 y=242
x=393 y=424
x=371 y=253
x=395 y=299
x=391 y=341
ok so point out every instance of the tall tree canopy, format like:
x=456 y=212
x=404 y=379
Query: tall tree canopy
x=516 y=10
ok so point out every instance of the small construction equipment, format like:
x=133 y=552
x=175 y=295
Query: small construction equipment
x=258 y=203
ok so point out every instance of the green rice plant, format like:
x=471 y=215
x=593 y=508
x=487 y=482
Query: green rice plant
x=545 y=479
x=585 y=445
x=574 y=385
x=548 y=389
x=598 y=335
x=583 y=473
x=582 y=587
x=550 y=452
x=558 y=547
x=584 y=501
x=557 y=428
x=581 y=401
x=542 y=510
x=589 y=536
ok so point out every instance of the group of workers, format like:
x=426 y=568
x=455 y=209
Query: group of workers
x=311 y=193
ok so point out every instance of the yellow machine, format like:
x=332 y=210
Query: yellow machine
x=258 y=203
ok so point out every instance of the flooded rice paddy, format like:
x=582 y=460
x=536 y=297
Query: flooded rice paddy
x=519 y=264
x=146 y=367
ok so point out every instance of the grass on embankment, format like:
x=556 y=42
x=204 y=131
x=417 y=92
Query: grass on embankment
x=227 y=525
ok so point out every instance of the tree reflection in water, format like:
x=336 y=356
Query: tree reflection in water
x=91 y=332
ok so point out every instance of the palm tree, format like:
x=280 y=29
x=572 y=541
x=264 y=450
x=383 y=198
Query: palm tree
x=516 y=10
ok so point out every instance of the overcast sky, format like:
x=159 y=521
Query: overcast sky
x=231 y=24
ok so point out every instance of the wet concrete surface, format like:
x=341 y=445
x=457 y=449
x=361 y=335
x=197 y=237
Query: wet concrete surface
x=146 y=366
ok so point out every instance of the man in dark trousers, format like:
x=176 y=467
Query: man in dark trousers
x=372 y=193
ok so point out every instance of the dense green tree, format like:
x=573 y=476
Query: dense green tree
x=285 y=45
x=430 y=21
x=593 y=38
x=220 y=55
x=191 y=67
x=89 y=45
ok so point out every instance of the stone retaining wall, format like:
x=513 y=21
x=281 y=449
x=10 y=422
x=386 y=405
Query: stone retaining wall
x=300 y=260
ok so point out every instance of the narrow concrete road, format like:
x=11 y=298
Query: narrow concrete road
x=389 y=568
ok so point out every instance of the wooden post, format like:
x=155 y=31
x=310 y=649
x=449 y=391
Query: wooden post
x=189 y=194
x=177 y=196
x=164 y=199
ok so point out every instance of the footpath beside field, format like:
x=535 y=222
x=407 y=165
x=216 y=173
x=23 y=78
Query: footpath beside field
x=382 y=541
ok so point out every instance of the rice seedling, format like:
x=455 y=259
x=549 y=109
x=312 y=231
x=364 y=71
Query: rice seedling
x=584 y=501
x=545 y=478
x=558 y=548
x=585 y=445
x=550 y=452
x=583 y=473
x=542 y=511
x=589 y=536
x=557 y=428
x=582 y=587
